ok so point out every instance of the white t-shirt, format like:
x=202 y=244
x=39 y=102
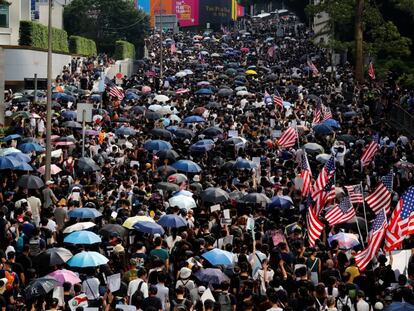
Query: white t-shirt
x=91 y=288
x=260 y=275
x=133 y=287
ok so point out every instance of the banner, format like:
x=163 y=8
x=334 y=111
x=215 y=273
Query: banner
x=215 y=12
x=187 y=12
x=240 y=10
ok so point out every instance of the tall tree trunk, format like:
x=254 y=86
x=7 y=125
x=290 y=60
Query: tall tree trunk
x=359 y=40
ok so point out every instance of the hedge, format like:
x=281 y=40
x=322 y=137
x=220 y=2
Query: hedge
x=82 y=46
x=124 y=49
x=35 y=35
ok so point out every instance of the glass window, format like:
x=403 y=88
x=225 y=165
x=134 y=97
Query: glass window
x=4 y=15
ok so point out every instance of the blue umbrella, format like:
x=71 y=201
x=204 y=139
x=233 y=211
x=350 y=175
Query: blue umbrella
x=332 y=123
x=172 y=221
x=157 y=145
x=322 y=129
x=131 y=96
x=219 y=257
x=211 y=276
x=69 y=114
x=84 y=213
x=82 y=237
x=87 y=259
x=29 y=147
x=281 y=202
x=203 y=145
x=125 y=131
x=19 y=156
x=12 y=137
x=95 y=97
x=148 y=227
x=24 y=167
x=245 y=164
x=186 y=166
x=204 y=92
x=193 y=119
x=8 y=163
x=399 y=306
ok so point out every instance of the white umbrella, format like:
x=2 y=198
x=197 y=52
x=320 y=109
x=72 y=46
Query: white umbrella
x=323 y=158
x=161 y=98
x=242 y=93
x=188 y=71
x=155 y=107
x=182 y=201
x=175 y=118
x=79 y=227
x=181 y=74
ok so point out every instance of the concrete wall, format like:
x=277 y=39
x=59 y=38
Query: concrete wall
x=24 y=63
x=126 y=67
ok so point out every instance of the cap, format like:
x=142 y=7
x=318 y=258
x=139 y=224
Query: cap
x=185 y=273
x=196 y=178
x=119 y=248
x=378 y=306
x=201 y=289
x=50 y=182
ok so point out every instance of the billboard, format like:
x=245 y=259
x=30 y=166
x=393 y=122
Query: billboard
x=160 y=7
x=240 y=10
x=216 y=12
x=143 y=5
x=187 y=12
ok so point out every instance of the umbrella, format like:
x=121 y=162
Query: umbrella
x=184 y=133
x=72 y=124
x=152 y=115
x=161 y=98
x=219 y=257
x=157 y=145
x=29 y=147
x=40 y=287
x=251 y=72
x=54 y=169
x=236 y=141
x=30 y=182
x=182 y=201
x=110 y=229
x=322 y=129
x=177 y=178
x=199 y=110
x=212 y=105
x=255 y=198
x=87 y=165
x=204 y=92
x=167 y=186
x=7 y=151
x=166 y=170
x=64 y=275
x=64 y=141
x=148 y=227
x=224 y=92
x=87 y=259
x=323 y=158
x=172 y=221
x=9 y=163
x=125 y=131
x=24 y=167
x=181 y=74
x=91 y=133
x=11 y=137
x=345 y=240
x=245 y=164
x=84 y=212
x=69 y=114
x=168 y=154
x=193 y=119
x=352 y=224
x=347 y=138
x=187 y=166
x=211 y=276
x=79 y=226
x=313 y=148
x=399 y=306
x=281 y=202
x=202 y=145
x=212 y=132
x=131 y=221
x=82 y=237
x=404 y=165
x=332 y=123
x=214 y=195
x=58 y=255
x=183 y=192
x=161 y=133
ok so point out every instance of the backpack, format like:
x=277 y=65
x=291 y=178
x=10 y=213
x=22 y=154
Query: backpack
x=344 y=306
x=224 y=302
x=34 y=247
x=10 y=276
x=138 y=297
x=181 y=304
x=20 y=243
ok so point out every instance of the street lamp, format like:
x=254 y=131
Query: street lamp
x=49 y=96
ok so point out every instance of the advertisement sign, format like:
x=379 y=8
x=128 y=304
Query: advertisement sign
x=240 y=10
x=160 y=7
x=215 y=12
x=143 y=5
x=187 y=12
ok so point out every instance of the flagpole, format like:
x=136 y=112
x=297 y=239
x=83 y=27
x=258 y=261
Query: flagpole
x=359 y=231
x=363 y=205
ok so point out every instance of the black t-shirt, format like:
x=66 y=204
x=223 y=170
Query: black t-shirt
x=3 y=302
x=152 y=302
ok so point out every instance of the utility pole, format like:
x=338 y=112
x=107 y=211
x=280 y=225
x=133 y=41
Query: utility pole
x=359 y=41
x=49 y=97
x=161 y=52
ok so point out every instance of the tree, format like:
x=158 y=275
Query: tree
x=106 y=21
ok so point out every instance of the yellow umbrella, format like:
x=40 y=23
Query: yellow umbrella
x=251 y=72
x=131 y=221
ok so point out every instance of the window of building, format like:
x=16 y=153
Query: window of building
x=4 y=15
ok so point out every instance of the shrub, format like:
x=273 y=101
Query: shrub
x=82 y=46
x=124 y=49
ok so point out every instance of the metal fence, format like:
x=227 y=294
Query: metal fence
x=402 y=119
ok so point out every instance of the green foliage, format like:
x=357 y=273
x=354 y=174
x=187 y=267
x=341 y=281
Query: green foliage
x=35 y=35
x=82 y=46
x=405 y=5
x=124 y=49
x=106 y=21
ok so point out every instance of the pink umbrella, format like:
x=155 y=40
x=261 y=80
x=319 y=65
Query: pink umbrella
x=244 y=50
x=64 y=143
x=54 y=169
x=146 y=89
x=64 y=275
x=182 y=91
x=54 y=137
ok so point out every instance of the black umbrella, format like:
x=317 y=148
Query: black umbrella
x=87 y=165
x=166 y=170
x=109 y=229
x=40 y=287
x=167 y=186
x=152 y=115
x=211 y=105
x=138 y=109
x=346 y=138
x=184 y=133
x=170 y=154
x=255 y=198
x=224 y=92
x=214 y=195
x=58 y=255
x=161 y=133
x=30 y=182
x=212 y=132
x=72 y=124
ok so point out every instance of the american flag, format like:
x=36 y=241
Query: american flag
x=401 y=223
x=341 y=212
x=374 y=241
x=327 y=114
x=326 y=173
x=306 y=174
x=267 y=99
x=113 y=90
x=173 y=48
x=313 y=68
x=371 y=70
x=380 y=199
x=288 y=138
x=315 y=226
x=277 y=99
x=324 y=195
x=355 y=194
x=317 y=113
x=369 y=153
x=388 y=181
